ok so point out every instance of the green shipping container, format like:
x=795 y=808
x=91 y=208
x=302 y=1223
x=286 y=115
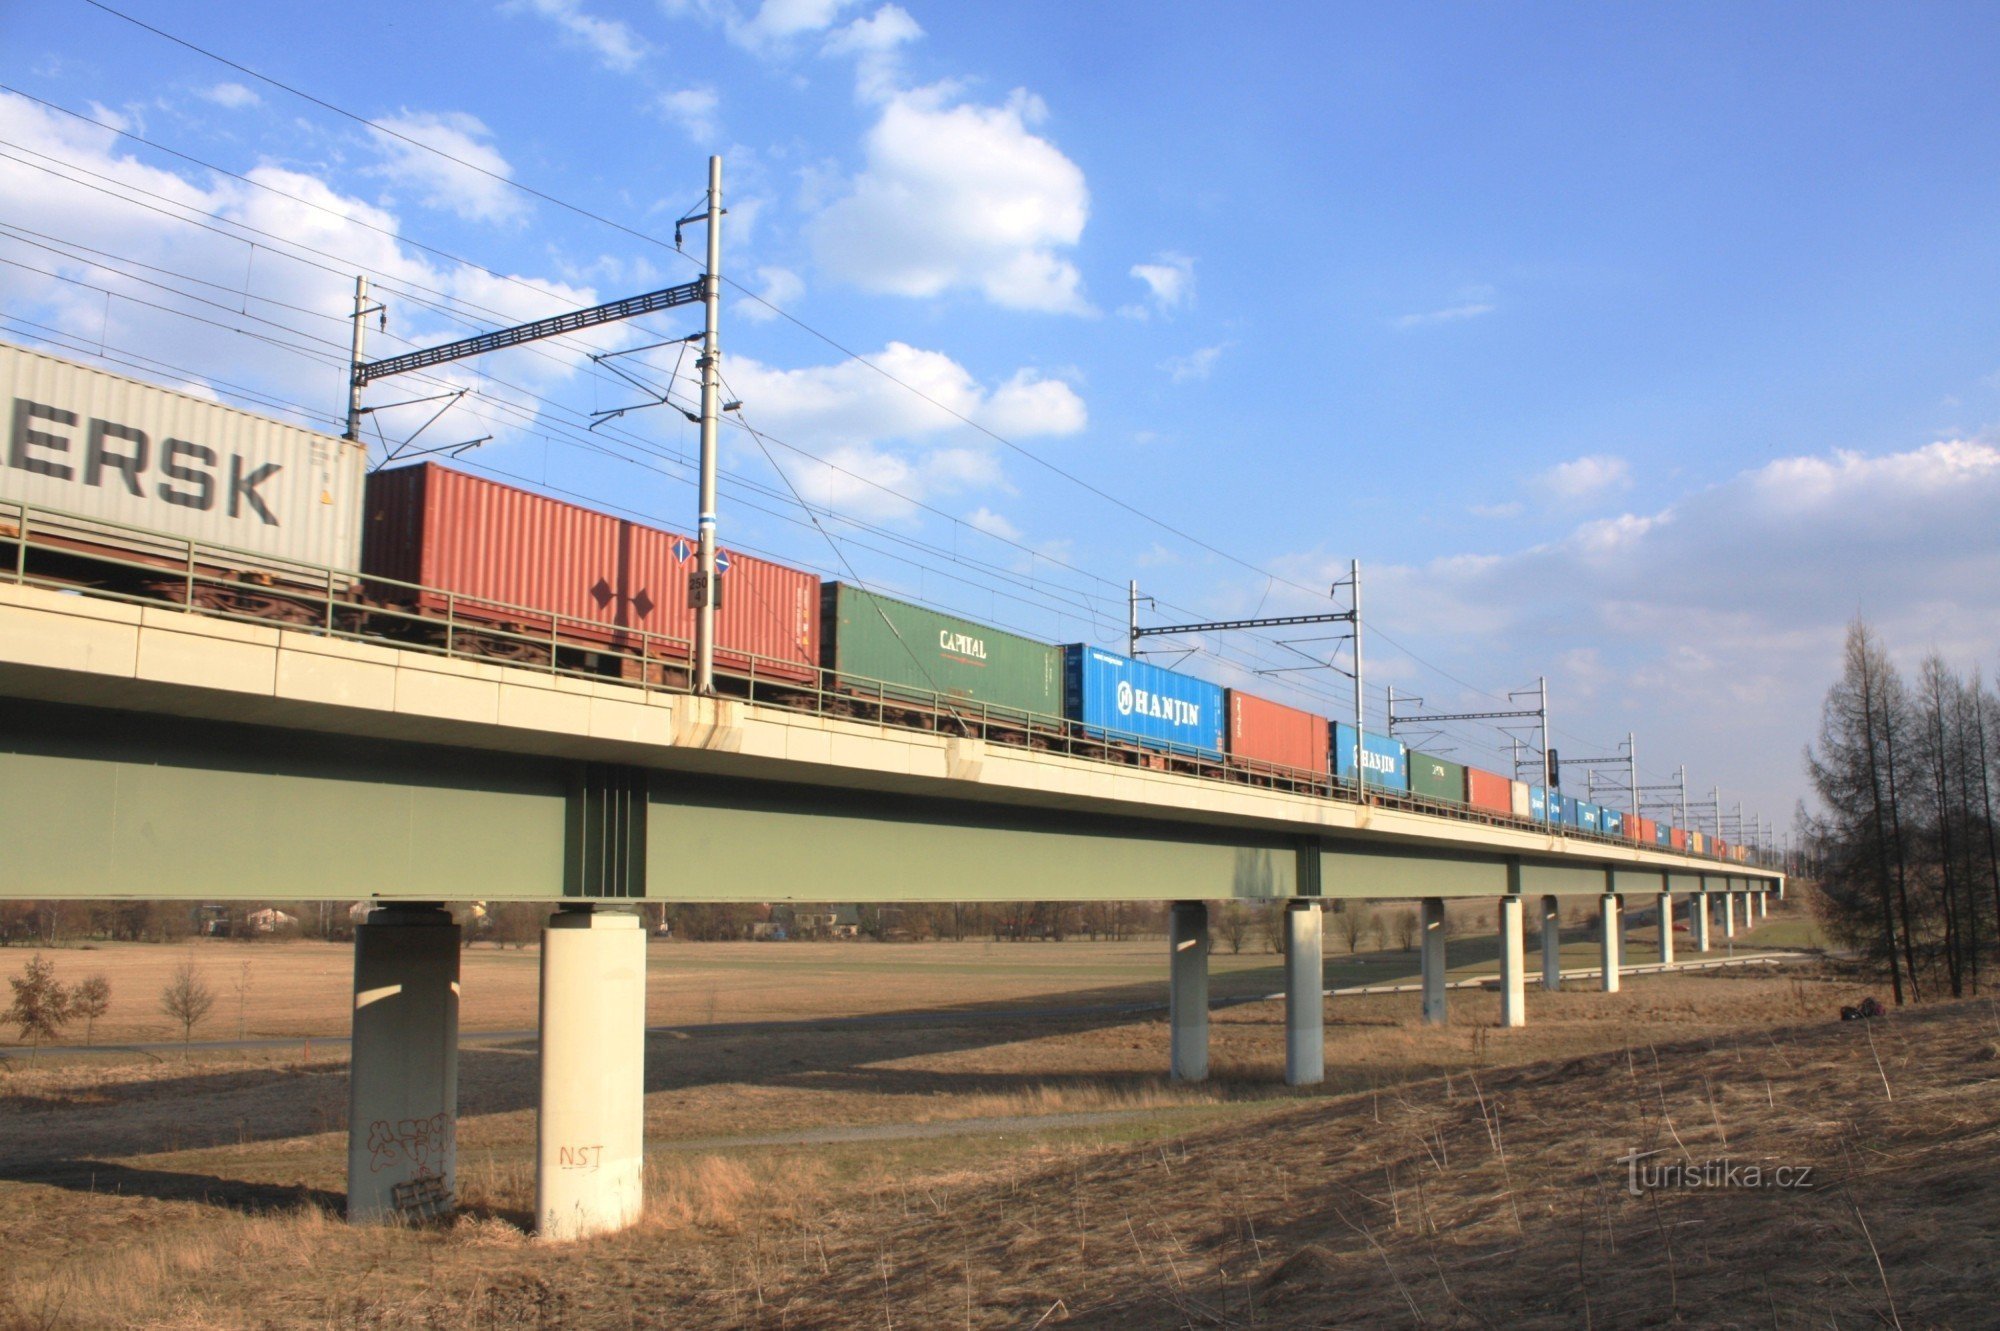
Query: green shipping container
x=872 y=642
x=1436 y=779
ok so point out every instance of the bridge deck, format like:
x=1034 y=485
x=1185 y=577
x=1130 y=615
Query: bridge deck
x=148 y=751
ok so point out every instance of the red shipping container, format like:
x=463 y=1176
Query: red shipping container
x=1273 y=735
x=507 y=553
x=1484 y=790
x=1678 y=838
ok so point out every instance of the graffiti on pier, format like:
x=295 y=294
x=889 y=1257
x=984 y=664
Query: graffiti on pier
x=588 y=1158
x=420 y=1145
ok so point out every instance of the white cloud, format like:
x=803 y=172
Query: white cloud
x=993 y=524
x=1196 y=365
x=466 y=186
x=1510 y=509
x=291 y=206
x=876 y=42
x=693 y=109
x=614 y=43
x=778 y=286
x=1712 y=627
x=1449 y=314
x=1586 y=478
x=232 y=96
x=1169 y=283
x=959 y=197
x=867 y=425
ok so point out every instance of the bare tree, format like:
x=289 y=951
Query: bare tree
x=187 y=998
x=1354 y=924
x=91 y=1000
x=1408 y=930
x=42 y=1004
x=1233 y=923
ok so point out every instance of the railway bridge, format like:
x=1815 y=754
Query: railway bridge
x=150 y=752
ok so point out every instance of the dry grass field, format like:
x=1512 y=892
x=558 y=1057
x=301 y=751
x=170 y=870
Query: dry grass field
x=977 y=1168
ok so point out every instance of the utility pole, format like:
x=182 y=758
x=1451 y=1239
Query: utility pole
x=354 y=380
x=1684 y=797
x=1632 y=766
x=711 y=384
x=1549 y=774
x=1360 y=741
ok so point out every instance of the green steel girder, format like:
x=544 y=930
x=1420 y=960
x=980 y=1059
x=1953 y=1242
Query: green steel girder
x=97 y=803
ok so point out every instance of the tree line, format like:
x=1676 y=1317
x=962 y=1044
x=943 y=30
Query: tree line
x=1904 y=838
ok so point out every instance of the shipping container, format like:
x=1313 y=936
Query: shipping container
x=1540 y=808
x=1523 y=801
x=1116 y=697
x=1677 y=838
x=1663 y=834
x=876 y=645
x=488 y=553
x=1565 y=809
x=1386 y=761
x=103 y=449
x=1268 y=734
x=1436 y=779
x=1484 y=790
x=1588 y=816
x=1698 y=843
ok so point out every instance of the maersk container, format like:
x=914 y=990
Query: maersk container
x=1485 y=790
x=1116 y=697
x=1522 y=800
x=1386 y=761
x=104 y=449
x=1436 y=778
x=488 y=553
x=875 y=644
x=1270 y=734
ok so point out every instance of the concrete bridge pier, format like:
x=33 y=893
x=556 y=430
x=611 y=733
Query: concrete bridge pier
x=1552 y=964
x=1763 y=905
x=1187 y=992
x=402 y=1081
x=1698 y=919
x=1305 y=1002
x=1611 y=934
x=1431 y=918
x=1667 y=926
x=1513 y=987
x=1728 y=914
x=589 y=1137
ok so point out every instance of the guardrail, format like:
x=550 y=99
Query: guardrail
x=251 y=587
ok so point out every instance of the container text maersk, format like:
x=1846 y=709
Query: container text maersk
x=191 y=469
x=81 y=447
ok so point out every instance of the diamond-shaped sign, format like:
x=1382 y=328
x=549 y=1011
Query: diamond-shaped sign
x=683 y=549
x=722 y=561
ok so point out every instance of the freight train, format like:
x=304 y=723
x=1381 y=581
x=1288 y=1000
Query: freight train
x=137 y=490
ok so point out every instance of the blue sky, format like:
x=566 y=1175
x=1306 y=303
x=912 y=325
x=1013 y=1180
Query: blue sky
x=1637 y=346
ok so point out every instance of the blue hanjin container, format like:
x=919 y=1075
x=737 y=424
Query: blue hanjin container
x=1589 y=817
x=1538 y=803
x=1115 y=697
x=1611 y=822
x=1387 y=760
